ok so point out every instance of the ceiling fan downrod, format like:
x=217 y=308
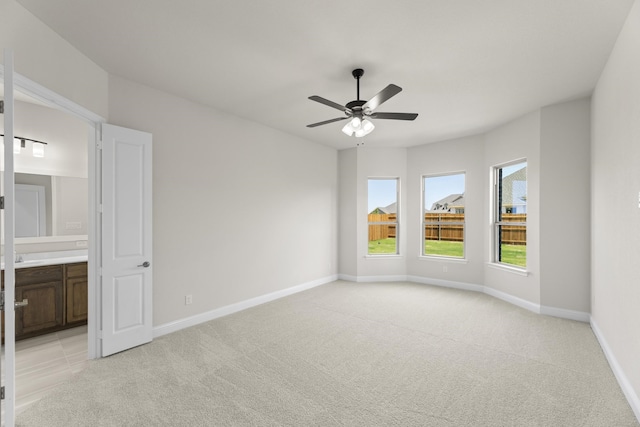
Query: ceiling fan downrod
x=357 y=73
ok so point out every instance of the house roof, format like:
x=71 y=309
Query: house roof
x=459 y=63
x=389 y=209
x=514 y=188
x=451 y=201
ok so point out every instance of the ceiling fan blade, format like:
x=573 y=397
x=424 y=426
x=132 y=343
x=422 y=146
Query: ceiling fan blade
x=382 y=96
x=394 y=116
x=326 y=122
x=324 y=101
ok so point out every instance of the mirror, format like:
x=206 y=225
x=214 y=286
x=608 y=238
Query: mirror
x=51 y=205
x=59 y=178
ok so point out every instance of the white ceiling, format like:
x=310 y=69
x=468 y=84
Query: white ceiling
x=465 y=65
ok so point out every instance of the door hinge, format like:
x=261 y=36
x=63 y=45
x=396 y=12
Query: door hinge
x=1 y=300
x=1 y=107
x=1 y=202
x=2 y=393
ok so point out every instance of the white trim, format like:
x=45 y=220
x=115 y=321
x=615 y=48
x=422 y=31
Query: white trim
x=522 y=303
x=446 y=283
x=370 y=279
x=187 y=322
x=623 y=381
x=564 y=313
x=440 y=258
x=52 y=99
x=347 y=277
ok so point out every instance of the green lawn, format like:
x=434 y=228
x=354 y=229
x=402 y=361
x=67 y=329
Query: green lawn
x=383 y=246
x=514 y=255
x=443 y=248
x=511 y=254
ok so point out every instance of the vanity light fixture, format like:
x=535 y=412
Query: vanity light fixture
x=19 y=143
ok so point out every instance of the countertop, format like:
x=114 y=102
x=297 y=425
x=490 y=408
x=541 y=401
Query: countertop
x=49 y=258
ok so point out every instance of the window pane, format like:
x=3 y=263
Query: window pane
x=511 y=207
x=444 y=205
x=383 y=216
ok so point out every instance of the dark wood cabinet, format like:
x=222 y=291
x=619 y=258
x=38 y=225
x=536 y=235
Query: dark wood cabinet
x=57 y=297
x=76 y=290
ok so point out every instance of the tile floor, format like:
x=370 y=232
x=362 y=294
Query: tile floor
x=44 y=362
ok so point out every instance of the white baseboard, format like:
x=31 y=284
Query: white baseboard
x=347 y=277
x=625 y=385
x=370 y=279
x=522 y=303
x=563 y=313
x=170 y=327
x=446 y=283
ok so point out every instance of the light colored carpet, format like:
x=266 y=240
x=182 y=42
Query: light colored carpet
x=354 y=354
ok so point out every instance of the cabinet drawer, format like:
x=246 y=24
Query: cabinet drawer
x=76 y=270
x=26 y=276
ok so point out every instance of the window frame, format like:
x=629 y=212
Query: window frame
x=396 y=222
x=496 y=217
x=424 y=222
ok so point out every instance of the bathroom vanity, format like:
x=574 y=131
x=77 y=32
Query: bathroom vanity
x=57 y=291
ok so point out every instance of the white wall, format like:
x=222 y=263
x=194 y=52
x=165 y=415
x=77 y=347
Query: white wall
x=347 y=205
x=518 y=139
x=66 y=137
x=565 y=220
x=615 y=214
x=460 y=155
x=46 y=58
x=240 y=210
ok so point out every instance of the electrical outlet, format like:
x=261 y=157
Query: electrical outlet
x=81 y=244
x=188 y=299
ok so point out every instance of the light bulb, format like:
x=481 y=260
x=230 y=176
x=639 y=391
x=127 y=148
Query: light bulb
x=38 y=149
x=355 y=122
x=348 y=129
x=367 y=126
x=17 y=145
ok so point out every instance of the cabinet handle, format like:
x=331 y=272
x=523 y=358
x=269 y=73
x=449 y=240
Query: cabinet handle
x=22 y=303
x=145 y=264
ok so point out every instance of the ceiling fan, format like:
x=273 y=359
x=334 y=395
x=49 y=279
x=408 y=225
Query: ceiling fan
x=360 y=111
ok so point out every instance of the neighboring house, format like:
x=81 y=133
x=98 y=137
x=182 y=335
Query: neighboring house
x=453 y=203
x=389 y=209
x=514 y=192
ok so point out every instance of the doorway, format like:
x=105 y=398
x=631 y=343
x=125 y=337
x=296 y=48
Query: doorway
x=69 y=169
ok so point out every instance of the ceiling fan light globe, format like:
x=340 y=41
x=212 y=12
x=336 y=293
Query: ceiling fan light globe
x=360 y=133
x=367 y=126
x=355 y=123
x=348 y=129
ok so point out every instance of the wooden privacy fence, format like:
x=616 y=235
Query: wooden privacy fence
x=449 y=227
x=514 y=234
x=438 y=226
x=382 y=231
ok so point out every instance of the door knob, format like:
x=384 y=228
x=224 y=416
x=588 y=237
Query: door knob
x=145 y=264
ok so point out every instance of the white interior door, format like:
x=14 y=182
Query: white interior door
x=126 y=239
x=8 y=232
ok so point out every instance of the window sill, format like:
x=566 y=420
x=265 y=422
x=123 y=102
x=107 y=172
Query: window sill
x=503 y=267
x=383 y=256
x=443 y=259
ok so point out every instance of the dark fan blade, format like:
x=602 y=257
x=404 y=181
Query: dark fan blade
x=394 y=116
x=382 y=96
x=324 y=101
x=326 y=122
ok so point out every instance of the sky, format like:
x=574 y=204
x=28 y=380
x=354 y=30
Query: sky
x=382 y=192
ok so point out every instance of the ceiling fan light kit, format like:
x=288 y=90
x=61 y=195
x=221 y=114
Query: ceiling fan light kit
x=360 y=111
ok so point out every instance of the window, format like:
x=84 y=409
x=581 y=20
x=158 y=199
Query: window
x=383 y=216
x=510 y=214
x=443 y=215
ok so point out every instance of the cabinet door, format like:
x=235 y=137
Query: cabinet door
x=77 y=299
x=44 y=310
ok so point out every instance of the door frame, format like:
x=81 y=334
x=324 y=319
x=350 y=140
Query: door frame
x=94 y=175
